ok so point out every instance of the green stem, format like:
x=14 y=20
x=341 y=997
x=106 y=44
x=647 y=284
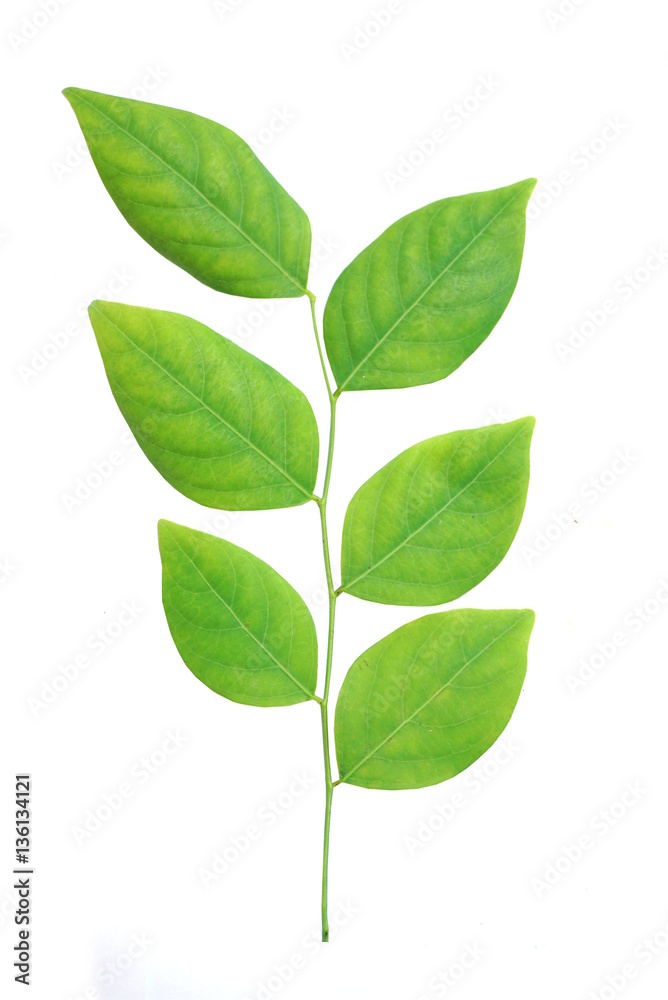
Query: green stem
x=322 y=505
x=311 y=298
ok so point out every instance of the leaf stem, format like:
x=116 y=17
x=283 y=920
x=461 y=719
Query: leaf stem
x=322 y=505
x=311 y=298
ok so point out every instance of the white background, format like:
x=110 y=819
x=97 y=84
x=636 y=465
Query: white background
x=600 y=523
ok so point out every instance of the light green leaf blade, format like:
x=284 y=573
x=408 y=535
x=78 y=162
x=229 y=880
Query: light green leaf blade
x=426 y=701
x=438 y=518
x=198 y=194
x=421 y=298
x=237 y=623
x=221 y=426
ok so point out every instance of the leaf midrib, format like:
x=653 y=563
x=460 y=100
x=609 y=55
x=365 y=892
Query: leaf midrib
x=197 y=191
x=286 y=475
x=439 y=691
x=422 y=294
x=429 y=520
x=241 y=624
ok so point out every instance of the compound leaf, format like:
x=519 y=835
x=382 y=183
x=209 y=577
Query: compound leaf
x=426 y=701
x=237 y=623
x=438 y=518
x=198 y=194
x=421 y=298
x=221 y=426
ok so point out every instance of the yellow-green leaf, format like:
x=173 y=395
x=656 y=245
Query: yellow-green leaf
x=198 y=194
x=221 y=426
x=426 y=701
x=421 y=298
x=439 y=517
x=238 y=625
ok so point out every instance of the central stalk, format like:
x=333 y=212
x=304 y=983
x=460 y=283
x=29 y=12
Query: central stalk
x=322 y=505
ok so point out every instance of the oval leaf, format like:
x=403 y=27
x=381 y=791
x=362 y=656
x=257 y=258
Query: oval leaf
x=426 y=701
x=222 y=427
x=424 y=295
x=198 y=194
x=438 y=518
x=237 y=623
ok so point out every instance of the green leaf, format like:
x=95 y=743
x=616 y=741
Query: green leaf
x=437 y=519
x=222 y=427
x=424 y=295
x=198 y=194
x=238 y=625
x=426 y=701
